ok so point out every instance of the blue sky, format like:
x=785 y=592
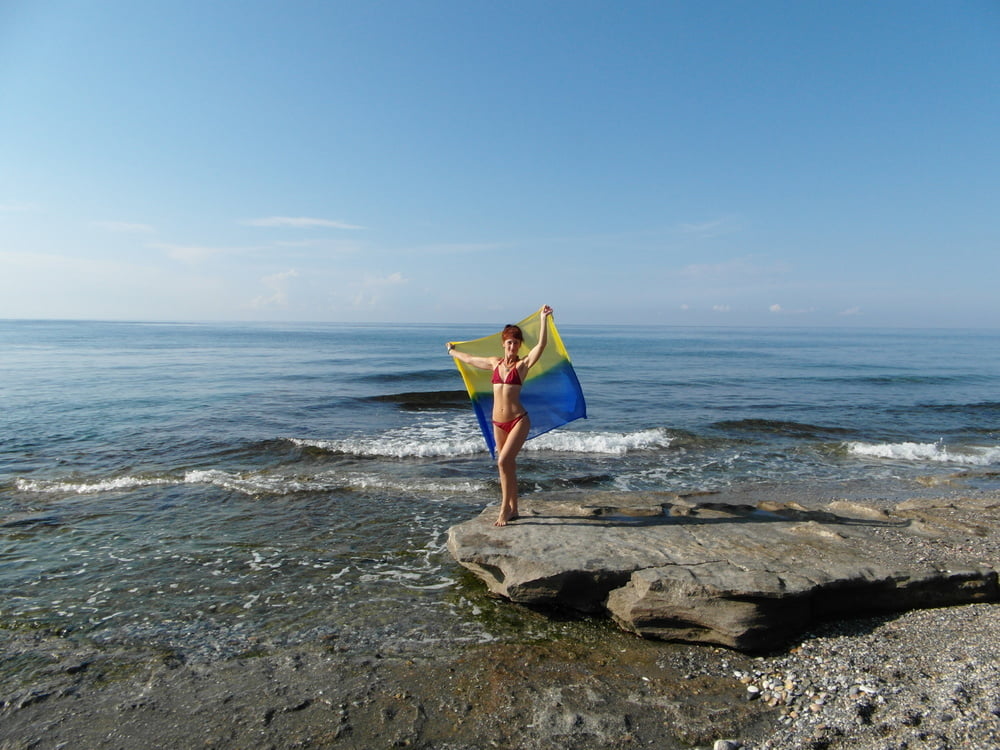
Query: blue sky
x=729 y=163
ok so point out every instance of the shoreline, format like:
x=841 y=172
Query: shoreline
x=924 y=679
x=919 y=679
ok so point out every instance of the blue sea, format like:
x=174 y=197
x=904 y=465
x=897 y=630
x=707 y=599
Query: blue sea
x=214 y=488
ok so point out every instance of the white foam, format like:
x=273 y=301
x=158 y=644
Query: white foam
x=924 y=452
x=427 y=486
x=257 y=483
x=252 y=484
x=263 y=483
x=430 y=441
x=398 y=446
x=88 y=487
x=613 y=443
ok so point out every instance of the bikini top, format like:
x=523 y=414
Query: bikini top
x=513 y=376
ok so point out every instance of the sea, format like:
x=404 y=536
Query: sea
x=221 y=489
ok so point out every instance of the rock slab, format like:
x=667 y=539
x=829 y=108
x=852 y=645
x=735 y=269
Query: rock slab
x=748 y=577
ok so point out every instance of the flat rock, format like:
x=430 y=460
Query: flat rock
x=747 y=576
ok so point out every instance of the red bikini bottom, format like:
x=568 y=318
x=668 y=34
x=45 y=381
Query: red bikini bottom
x=508 y=426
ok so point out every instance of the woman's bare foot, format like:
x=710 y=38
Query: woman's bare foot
x=505 y=517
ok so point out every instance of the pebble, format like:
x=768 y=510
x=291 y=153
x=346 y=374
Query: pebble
x=874 y=687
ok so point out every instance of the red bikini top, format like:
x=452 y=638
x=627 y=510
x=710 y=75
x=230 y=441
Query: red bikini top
x=513 y=376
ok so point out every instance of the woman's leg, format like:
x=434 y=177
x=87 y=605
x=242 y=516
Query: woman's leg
x=508 y=446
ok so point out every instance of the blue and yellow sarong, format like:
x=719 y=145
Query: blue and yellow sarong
x=551 y=395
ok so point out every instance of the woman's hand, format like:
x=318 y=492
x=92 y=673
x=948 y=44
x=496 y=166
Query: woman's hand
x=546 y=311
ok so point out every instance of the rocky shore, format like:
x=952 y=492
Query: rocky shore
x=925 y=679
x=706 y=569
x=921 y=679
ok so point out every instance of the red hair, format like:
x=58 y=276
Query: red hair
x=512 y=332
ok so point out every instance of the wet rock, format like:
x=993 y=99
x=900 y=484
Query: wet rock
x=77 y=667
x=743 y=576
x=33 y=697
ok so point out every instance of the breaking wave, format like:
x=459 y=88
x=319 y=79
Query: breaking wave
x=91 y=486
x=430 y=441
x=927 y=452
x=258 y=483
x=609 y=443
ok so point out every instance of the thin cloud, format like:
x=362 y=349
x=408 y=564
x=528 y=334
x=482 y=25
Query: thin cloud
x=392 y=279
x=296 y=243
x=123 y=227
x=850 y=311
x=373 y=288
x=460 y=248
x=323 y=245
x=278 y=285
x=299 y=222
x=708 y=229
x=17 y=208
x=778 y=309
x=191 y=253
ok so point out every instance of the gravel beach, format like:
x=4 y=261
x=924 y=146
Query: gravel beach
x=926 y=679
x=921 y=679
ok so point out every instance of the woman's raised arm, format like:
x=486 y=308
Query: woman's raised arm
x=483 y=363
x=543 y=337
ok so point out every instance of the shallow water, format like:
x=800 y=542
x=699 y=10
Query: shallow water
x=213 y=488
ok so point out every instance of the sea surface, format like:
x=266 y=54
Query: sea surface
x=214 y=489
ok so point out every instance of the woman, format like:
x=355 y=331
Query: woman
x=510 y=420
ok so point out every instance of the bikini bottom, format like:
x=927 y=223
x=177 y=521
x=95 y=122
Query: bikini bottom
x=508 y=426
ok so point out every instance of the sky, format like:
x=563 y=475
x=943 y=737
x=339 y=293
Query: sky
x=628 y=162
